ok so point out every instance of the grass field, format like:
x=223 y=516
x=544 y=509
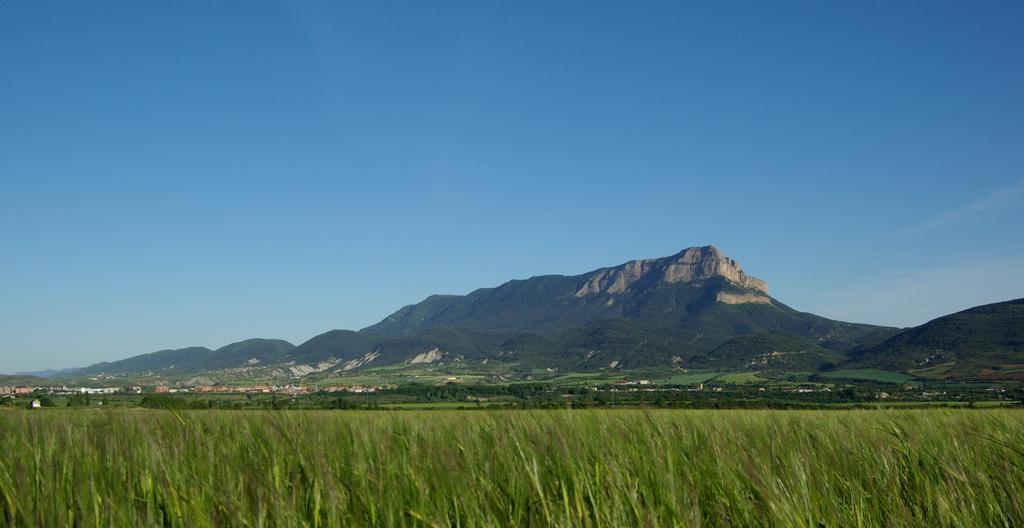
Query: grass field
x=689 y=378
x=883 y=376
x=741 y=377
x=491 y=468
x=430 y=405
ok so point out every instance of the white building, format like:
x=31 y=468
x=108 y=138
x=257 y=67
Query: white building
x=104 y=390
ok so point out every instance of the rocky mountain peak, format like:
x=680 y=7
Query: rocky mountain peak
x=689 y=265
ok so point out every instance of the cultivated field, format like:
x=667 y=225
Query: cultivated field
x=541 y=468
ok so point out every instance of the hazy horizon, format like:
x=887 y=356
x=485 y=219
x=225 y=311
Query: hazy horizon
x=197 y=174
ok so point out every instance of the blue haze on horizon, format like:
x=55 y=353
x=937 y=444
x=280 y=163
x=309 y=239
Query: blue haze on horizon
x=197 y=173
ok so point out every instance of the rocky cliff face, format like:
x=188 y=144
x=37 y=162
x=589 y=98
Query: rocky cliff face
x=690 y=265
x=671 y=291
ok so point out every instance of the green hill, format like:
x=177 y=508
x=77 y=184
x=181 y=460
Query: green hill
x=196 y=359
x=985 y=342
x=768 y=351
x=336 y=344
x=248 y=352
x=23 y=380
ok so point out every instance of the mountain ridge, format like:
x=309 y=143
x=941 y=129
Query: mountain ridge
x=697 y=309
x=985 y=341
x=195 y=359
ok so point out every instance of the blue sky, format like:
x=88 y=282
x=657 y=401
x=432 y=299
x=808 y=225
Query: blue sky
x=196 y=173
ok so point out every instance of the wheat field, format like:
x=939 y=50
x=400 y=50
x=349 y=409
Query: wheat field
x=630 y=467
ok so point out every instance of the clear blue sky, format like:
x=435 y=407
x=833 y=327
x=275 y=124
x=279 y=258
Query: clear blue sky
x=196 y=173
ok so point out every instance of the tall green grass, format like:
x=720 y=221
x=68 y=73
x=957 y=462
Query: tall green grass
x=543 y=468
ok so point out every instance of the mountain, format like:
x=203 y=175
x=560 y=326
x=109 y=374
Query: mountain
x=641 y=289
x=699 y=295
x=197 y=359
x=665 y=312
x=48 y=373
x=348 y=350
x=332 y=345
x=22 y=380
x=37 y=373
x=160 y=360
x=984 y=342
x=697 y=308
x=249 y=352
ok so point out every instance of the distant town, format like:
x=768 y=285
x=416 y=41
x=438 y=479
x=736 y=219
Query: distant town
x=163 y=389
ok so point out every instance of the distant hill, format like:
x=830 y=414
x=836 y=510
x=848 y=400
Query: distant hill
x=985 y=342
x=332 y=345
x=249 y=352
x=48 y=373
x=196 y=359
x=22 y=380
x=183 y=359
x=769 y=351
